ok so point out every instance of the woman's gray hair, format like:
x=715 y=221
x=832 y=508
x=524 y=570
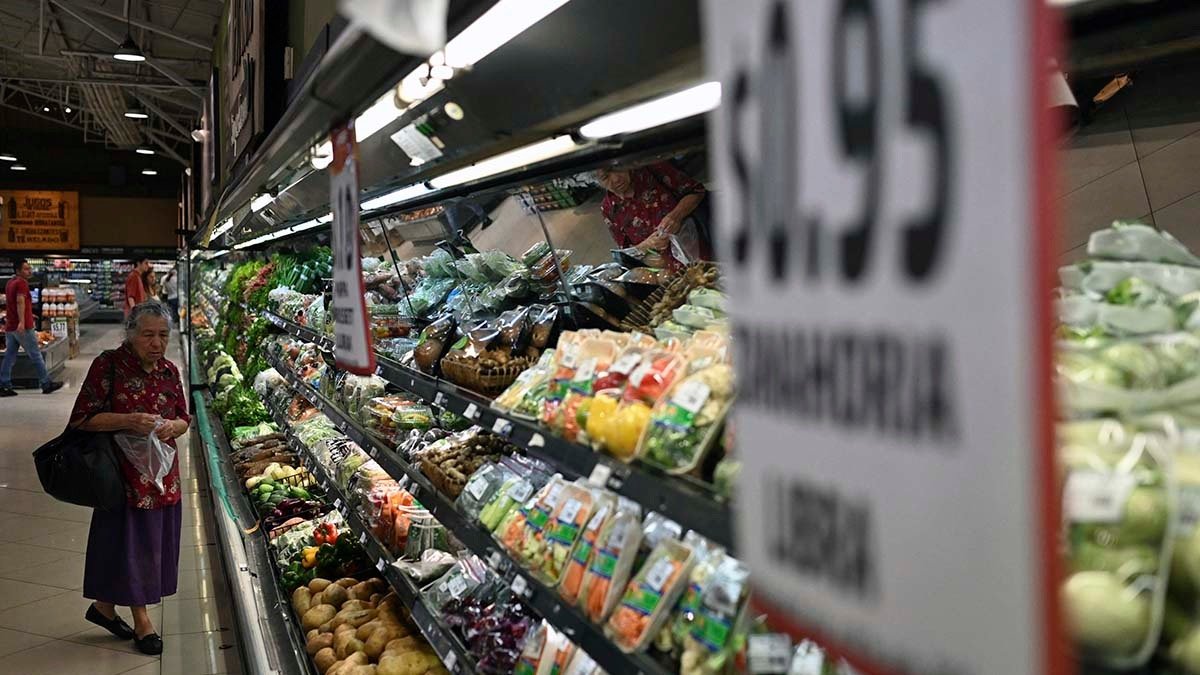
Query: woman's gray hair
x=148 y=308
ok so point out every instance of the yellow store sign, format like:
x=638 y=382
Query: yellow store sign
x=39 y=220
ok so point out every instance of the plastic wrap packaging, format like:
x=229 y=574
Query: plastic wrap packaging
x=684 y=425
x=1129 y=376
x=482 y=487
x=604 y=509
x=650 y=595
x=612 y=563
x=1120 y=508
x=151 y=457
x=1135 y=241
x=567 y=522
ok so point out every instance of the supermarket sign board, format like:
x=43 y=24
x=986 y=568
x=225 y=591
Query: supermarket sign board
x=351 y=325
x=39 y=220
x=883 y=175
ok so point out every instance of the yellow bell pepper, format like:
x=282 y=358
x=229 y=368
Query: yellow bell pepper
x=309 y=556
x=625 y=428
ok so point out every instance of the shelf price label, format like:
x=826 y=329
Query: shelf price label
x=351 y=328
x=884 y=168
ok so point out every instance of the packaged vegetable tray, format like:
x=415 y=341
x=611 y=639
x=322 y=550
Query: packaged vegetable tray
x=650 y=596
x=1119 y=506
x=581 y=558
x=562 y=532
x=684 y=425
x=612 y=562
x=482 y=487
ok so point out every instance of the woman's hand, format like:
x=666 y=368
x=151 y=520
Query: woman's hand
x=656 y=241
x=670 y=224
x=172 y=429
x=140 y=423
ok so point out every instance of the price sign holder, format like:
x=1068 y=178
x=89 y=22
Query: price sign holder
x=886 y=169
x=351 y=326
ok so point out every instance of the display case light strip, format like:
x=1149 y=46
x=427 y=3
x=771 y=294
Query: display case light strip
x=507 y=161
x=695 y=100
x=503 y=22
x=261 y=201
x=222 y=228
x=395 y=197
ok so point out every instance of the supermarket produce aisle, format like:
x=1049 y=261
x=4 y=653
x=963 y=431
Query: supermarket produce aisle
x=42 y=544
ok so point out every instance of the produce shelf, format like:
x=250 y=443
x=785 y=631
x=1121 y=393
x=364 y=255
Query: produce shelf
x=454 y=656
x=690 y=503
x=541 y=598
x=271 y=641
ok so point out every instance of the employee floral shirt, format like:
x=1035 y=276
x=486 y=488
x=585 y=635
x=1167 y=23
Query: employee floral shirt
x=136 y=391
x=657 y=189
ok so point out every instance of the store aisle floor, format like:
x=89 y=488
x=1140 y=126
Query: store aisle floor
x=42 y=545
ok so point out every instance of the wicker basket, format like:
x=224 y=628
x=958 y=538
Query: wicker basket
x=467 y=372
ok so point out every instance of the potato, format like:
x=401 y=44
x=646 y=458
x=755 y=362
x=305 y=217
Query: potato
x=347 y=582
x=364 y=631
x=375 y=644
x=375 y=598
x=408 y=663
x=439 y=669
x=344 y=666
x=366 y=589
x=312 y=634
x=338 y=668
x=342 y=628
x=317 y=615
x=360 y=670
x=400 y=645
x=353 y=605
x=354 y=617
x=318 y=585
x=345 y=644
x=318 y=598
x=319 y=642
x=324 y=659
x=336 y=595
x=302 y=600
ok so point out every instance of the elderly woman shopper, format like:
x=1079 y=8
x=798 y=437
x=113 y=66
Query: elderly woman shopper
x=133 y=553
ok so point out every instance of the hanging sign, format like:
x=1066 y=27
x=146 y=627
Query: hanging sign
x=351 y=325
x=883 y=171
x=39 y=220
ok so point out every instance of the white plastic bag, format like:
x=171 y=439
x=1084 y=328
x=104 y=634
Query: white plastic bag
x=150 y=456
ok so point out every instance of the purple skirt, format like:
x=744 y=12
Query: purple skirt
x=133 y=555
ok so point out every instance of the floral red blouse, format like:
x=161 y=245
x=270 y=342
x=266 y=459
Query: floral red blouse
x=657 y=189
x=158 y=393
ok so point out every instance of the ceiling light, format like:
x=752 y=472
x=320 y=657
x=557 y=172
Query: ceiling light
x=693 y=101
x=7 y=157
x=67 y=110
x=199 y=135
x=261 y=201
x=149 y=172
x=144 y=151
x=507 y=161
x=136 y=113
x=504 y=21
x=382 y=113
x=45 y=108
x=129 y=51
x=395 y=197
x=17 y=167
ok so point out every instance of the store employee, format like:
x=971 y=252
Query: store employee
x=135 y=289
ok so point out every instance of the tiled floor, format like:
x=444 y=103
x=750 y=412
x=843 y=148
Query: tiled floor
x=42 y=546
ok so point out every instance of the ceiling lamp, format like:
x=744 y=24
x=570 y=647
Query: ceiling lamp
x=46 y=108
x=17 y=167
x=67 y=110
x=149 y=172
x=7 y=157
x=129 y=51
x=136 y=113
x=144 y=151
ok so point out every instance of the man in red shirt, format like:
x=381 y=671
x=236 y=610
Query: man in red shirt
x=20 y=331
x=135 y=291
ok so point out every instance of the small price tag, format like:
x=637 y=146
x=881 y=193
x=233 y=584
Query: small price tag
x=458 y=586
x=502 y=427
x=657 y=577
x=337 y=503
x=519 y=585
x=342 y=426
x=585 y=372
x=537 y=441
x=598 y=519
x=476 y=487
x=379 y=370
x=1096 y=497
x=439 y=399
x=520 y=492
x=770 y=653
x=691 y=395
x=494 y=560
x=380 y=564
x=471 y=413
x=362 y=538
x=600 y=474
x=373 y=452
x=626 y=364
x=569 y=511
x=450 y=661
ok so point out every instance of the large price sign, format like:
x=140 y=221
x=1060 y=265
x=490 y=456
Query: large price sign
x=883 y=208
x=351 y=325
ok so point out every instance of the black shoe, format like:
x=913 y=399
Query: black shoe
x=151 y=644
x=5 y=393
x=115 y=625
x=52 y=387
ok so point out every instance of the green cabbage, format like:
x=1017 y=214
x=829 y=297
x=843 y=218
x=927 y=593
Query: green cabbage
x=1139 y=363
x=1103 y=615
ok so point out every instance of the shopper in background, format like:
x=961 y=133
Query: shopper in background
x=133 y=553
x=150 y=283
x=646 y=206
x=171 y=288
x=135 y=291
x=21 y=332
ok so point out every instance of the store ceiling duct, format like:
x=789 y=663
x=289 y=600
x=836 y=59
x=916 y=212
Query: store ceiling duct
x=507 y=161
x=695 y=100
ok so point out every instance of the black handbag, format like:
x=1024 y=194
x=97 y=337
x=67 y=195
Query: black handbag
x=81 y=467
